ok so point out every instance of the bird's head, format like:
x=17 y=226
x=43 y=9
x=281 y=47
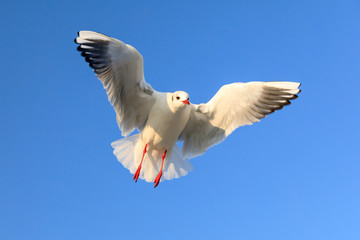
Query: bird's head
x=180 y=100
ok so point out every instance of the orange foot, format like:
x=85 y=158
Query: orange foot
x=157 y=179
x=137 y=173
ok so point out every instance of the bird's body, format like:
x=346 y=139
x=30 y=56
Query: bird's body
x=165 y=118
x=164 y=125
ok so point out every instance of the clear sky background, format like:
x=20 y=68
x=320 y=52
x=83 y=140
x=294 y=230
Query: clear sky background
x=295 y=175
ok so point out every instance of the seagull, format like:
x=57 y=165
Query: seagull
x=165 y=118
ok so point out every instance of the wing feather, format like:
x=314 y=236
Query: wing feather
x=119 y=67
x=234 y=105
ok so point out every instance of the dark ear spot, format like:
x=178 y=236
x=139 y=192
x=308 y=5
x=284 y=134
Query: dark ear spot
x=172 y=98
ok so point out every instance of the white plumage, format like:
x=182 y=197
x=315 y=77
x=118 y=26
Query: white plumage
x=165 y=118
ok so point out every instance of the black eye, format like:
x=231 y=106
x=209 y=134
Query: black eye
x=188 y=99
x=177 y=98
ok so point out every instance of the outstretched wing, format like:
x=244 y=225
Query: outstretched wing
x=234 y=105
x=119 y=66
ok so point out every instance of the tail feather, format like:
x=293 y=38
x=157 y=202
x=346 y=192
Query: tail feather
x=124 y=151
x=129 y=151
x=177 y=166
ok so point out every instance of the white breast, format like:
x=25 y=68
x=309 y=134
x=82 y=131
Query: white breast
x=163 y=126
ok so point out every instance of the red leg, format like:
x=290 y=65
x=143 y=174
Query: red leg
x=137 y=173
x=157 y=179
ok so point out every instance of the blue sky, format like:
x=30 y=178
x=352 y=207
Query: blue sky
x=295 y=175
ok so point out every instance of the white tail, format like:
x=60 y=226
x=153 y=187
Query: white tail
x=129 y=152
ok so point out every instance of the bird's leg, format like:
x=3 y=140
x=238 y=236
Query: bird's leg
x=137 y=173
x=157 y=179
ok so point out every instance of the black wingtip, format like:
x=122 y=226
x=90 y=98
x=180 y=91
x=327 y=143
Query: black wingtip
x=294 y=97
x=78 y=33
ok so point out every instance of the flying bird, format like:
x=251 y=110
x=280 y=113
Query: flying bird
x=164 y=118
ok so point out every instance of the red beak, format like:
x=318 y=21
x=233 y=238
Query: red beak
x=186 y=102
